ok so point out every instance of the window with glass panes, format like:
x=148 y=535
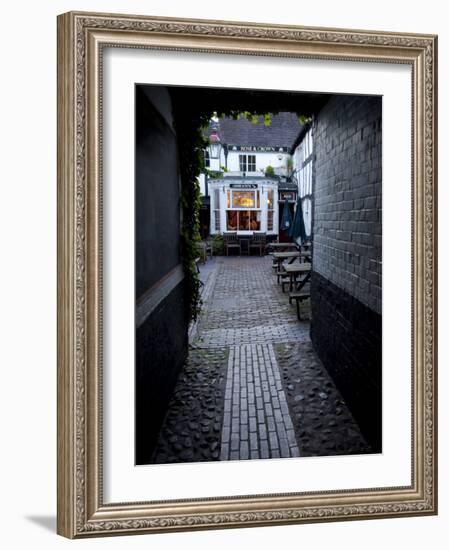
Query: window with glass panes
x=247 y=163
x=243 y=210
x=217 y=210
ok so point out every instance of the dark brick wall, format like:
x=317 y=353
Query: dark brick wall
x=347 y=335
x=346 y=289
x=347 y=226
x=161 y=348
x=161 y=340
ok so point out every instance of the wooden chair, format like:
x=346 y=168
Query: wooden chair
x=231 y=242
x=206 y=250
x=258 y=241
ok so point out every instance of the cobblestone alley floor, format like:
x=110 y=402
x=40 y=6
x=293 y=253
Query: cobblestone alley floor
x=252 y=386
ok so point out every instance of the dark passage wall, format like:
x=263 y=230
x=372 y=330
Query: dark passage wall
x=161 y=320
x=157 y=191
x=346 y=284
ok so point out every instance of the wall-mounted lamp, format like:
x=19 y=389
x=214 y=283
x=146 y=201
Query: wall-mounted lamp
x=214 y=146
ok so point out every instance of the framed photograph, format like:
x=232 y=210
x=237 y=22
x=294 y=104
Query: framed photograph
x=246 y=274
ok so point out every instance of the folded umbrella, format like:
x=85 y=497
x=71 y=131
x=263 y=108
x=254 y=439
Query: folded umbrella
x=286 y=220
x=298 y=228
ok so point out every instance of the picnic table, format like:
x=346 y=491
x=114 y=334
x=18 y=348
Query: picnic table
x=306 y=255
x=282 y=247
x=296 y=270
x=279 y=257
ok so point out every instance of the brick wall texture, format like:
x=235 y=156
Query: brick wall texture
x=348 y=197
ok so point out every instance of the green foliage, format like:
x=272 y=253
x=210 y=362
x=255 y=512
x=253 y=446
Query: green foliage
x=269 y=171
x=303 y=119
x=191 y=144
x=217 y=245
x=251 y=116
x=213 y=174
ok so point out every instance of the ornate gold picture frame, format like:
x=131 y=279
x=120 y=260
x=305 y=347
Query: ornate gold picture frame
x=82 y=39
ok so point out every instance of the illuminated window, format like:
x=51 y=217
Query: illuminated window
x=239 y=217
x=243 y=199
x=243 y=220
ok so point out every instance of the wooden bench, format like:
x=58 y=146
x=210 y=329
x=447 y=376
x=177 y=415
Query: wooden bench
x=299 y=275
x=281 y=273
x=299 y=296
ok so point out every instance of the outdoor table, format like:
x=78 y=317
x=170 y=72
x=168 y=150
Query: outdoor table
x=279 y=257
x=306 y=255
x=282 y=247
x=294 y=270
x=244 y=243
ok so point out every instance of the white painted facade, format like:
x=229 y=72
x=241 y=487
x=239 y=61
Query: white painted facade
x=302 y=171
x=238 y=159
x=278 y=160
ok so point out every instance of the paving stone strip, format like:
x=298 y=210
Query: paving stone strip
x=256 y=421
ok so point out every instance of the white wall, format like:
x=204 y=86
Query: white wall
x=262 y=160
x=28 y=275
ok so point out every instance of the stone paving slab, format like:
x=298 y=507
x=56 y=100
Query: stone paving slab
x=256 y=421
x=287 y=332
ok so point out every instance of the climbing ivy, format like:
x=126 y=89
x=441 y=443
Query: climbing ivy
x=191 y=163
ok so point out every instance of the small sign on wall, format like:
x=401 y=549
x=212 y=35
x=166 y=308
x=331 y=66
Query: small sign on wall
x=243 y=185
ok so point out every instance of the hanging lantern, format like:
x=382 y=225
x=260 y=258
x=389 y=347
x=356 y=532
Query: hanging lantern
x=214 y=147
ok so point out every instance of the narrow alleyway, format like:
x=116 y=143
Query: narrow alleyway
x=252 y=386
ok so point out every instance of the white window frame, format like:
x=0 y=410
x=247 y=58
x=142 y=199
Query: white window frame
x=270 y=210
x=216 y=210
x=257 y=201
x=247 y=163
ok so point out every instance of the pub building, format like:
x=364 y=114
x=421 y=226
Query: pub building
x=249 y=175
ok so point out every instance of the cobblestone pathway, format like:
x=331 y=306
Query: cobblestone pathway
x=253 y=386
